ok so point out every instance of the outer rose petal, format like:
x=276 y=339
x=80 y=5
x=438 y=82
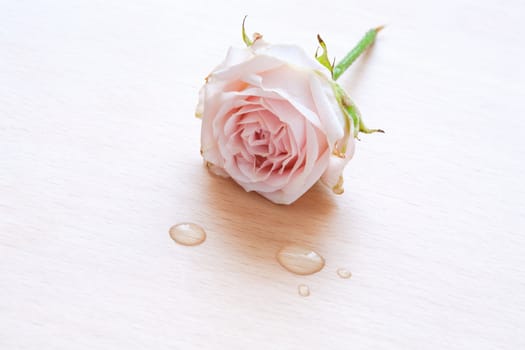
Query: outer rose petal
x=238 y=72
x=291 y=54
x=199 y=110
x=217 y=170
x=331 y=115
x=216 y=105
x=334 y=172
x=332 y=176
x=234 y=57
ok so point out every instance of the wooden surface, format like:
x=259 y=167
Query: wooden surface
x=100 y=156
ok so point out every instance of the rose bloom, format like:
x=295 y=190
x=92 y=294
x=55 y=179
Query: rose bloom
x=271 y=122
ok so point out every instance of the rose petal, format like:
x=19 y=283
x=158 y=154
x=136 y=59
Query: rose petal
x=291 y=54
x=209 y=138
x=331 y=115
x=336 y=166
x=234 y=56
x=245 y=70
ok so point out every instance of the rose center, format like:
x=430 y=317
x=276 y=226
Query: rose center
x=259 y=160
x=261 y=143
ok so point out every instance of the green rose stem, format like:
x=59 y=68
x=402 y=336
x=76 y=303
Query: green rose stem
x=361 y=47
x=346 y=103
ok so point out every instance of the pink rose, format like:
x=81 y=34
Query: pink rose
x=271 y=121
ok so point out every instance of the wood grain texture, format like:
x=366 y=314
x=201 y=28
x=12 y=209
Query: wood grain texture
x=100 y=156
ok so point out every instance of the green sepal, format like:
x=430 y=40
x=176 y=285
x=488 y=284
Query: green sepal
x=365 y=130
x=323 y=58
x=352 y=112
x=352 y=115
x=341 y=97
x=245 y=36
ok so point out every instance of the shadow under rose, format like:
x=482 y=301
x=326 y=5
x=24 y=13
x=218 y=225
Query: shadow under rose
x=351 y=79
x=253 y=227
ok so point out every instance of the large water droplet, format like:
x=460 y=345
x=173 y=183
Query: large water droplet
x=187 y=233
x=300 y=260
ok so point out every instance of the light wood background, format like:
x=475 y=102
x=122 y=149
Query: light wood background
x=99 y=156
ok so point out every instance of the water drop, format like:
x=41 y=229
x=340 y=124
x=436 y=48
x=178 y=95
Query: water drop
x=303 y=290
x=344 y=273
x=187 y=233
x=300 y=260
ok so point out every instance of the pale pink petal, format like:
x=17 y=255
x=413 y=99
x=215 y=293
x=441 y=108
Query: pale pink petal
x=316 y=161
x=332 y=177
x=298 y=83
x=289 y=115
x=289 y=195
x=199 y=110
x=219 y=171
x=328 y=110
x=209 y=140
x=246 y=69
x=234 y=57
x=291 y=54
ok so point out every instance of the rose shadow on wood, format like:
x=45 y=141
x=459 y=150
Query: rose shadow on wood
x=350 y=80
x=254 y=229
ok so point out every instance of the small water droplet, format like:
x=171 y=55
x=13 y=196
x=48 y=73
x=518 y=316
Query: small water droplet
x=187 y=233
x=344 y=273
x=303 y=290
x=300 y=260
